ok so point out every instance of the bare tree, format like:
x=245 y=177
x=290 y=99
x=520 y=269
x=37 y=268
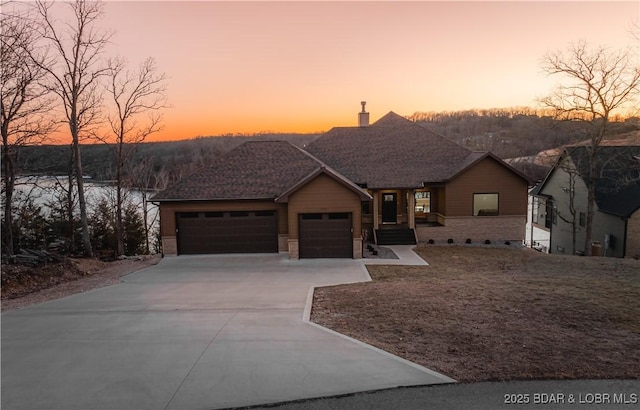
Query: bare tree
x=25 y=103
x=572 y=172
x=74 y=78
x=134 y=95
x=148 y=178
x=598 y=83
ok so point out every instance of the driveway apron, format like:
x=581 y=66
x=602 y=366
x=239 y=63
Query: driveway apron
x=193 y=332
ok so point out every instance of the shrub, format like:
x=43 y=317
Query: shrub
x=133 y=230
x=102 y=223
x=29 y=226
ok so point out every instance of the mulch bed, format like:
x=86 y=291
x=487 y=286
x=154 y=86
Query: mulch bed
x=24 y=285
x=20 y=280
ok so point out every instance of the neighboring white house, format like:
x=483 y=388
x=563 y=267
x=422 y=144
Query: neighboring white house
x=558 y=205
x=537 y=235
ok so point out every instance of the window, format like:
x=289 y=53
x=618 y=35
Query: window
x=536 y=209
x=366 y=208
x=583 y=219
x=213 y=214
x=188 y=214
x=311 y=216
x=549 y=215
x=238 y=214
x=485 y=204
x=423 y=201
x=265 y=213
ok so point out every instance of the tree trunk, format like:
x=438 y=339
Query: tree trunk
x=9 y=183
x=591 y=196
x=70 y=219
x=86 y=238
x=145 y=216
x=75 y=146
x=119 y=229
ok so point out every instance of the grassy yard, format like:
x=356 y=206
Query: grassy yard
x=497 y=314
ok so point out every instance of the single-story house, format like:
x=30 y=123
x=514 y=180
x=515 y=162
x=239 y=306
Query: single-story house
x=560 y=201
x=392 y=181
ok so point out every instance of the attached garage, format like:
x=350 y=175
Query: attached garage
x=264 y=197
x=325 y=235
x=227 y=232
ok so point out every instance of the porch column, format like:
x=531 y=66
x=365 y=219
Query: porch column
x=376 y=196
x=411 y=211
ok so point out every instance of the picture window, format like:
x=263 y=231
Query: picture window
x=485 y=205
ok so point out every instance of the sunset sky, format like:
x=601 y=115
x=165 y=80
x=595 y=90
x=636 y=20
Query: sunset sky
x=245 y=67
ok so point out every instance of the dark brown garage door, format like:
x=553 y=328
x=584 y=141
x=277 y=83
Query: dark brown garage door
x=227 y=232
x=325 y=235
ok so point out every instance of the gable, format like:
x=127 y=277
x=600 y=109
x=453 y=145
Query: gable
x=331 y=174
x=326 y=192
x=618 y=177
x=487 y=176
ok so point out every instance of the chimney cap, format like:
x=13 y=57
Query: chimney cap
x=363 y=116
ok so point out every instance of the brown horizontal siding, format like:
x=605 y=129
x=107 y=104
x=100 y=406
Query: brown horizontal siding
x=487 y=177
x=168 y=211
x=440 y=201
x=323 y=195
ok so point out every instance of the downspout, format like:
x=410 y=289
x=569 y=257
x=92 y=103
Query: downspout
x=624 y=239
x=533 y=198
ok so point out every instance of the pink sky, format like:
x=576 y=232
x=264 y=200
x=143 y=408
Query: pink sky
x=244 y=67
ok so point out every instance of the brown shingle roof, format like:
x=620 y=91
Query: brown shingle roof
x=254 y=170
x=393 y=152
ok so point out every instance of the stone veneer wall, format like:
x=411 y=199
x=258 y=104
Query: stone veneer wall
x=283 y=243
x=294 y=250
x=499 y=228
x=357 y=248
x=169 y=246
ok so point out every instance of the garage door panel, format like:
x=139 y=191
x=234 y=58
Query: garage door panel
x=325 y=236
x=228 y=232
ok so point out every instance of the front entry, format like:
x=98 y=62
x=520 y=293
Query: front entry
x=389 y=208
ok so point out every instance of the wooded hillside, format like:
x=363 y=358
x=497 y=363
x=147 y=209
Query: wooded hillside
x=508 y=133
x=178 y=157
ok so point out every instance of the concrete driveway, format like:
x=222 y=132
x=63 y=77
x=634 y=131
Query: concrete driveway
x=194 y=332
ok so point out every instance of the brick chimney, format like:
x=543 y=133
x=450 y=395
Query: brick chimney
x=363 y=116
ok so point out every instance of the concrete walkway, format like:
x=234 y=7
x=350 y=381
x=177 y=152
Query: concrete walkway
x=194 y=332
x=406 y=256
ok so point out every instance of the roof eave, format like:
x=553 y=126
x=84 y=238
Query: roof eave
x=213 y=199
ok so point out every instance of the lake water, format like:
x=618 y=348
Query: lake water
x=45 y=190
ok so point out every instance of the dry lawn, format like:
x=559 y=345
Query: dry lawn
x=481 y=314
